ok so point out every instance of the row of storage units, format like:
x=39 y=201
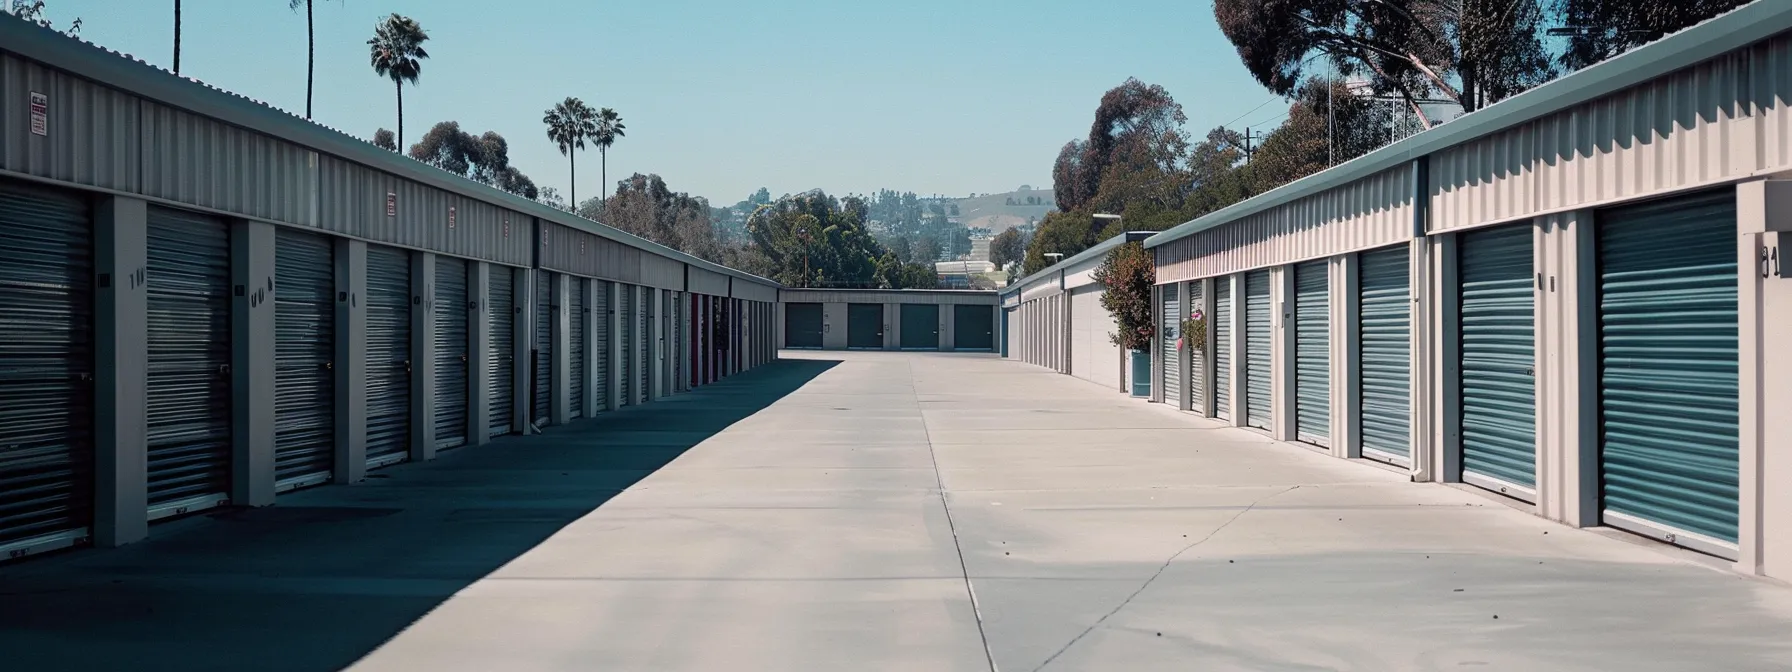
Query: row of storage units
x=907 y=319
x=1054 y=318
x=212 y=303
x=1503 y=302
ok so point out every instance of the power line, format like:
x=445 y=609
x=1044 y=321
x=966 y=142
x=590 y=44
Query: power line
x=1254 y=109
x=1261 y=124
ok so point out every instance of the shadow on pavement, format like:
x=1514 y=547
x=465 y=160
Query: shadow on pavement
x=329 y=574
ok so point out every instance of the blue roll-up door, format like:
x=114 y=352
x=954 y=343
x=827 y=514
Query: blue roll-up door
x=1222 y=348
x=500 y=362
x=1668 y=388
x=388 y=355
x=46 y=368
x=189 y=362
x=1196 y=352
x=600 y=344
x=1312 y=354
x=1385 y=357
x=1499 y=417
x=543 y=377
x=304 y=351
x=1171 y=330
x=1257 y=349
x=453 y=353
x=576 y=318
x=626 y=322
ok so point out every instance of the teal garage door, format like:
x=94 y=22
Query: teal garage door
x=1170 y=326
x=189 y=362
x=1222 y=348
x=802 y=325
x=973 y=328
x=304 y=354
x=453 y=353
x=1498 y=346
x=865 y=326
x=576 y=321
x=625 y=324
x=1257 y=349
x=920 y=326
x=1196 y=352
x=1385 y=358
x=1312 y=354
x=543 y=391
x=500 y=364
x=388 y=355
x=1668 y=369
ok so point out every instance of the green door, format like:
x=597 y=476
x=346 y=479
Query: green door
x=865 y=326
x=1499 y=417
x=973 y=328
x=920 y=326
x=802 y=325
x=1385 y=354
x=1312 y=354
x=1170 y=330
x=1256 y=349
x=1668 y=369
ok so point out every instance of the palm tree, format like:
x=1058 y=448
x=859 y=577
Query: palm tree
x=397 y=52
x=177 y=37
x=570 y=122
x=609 y=128
x=310 y=49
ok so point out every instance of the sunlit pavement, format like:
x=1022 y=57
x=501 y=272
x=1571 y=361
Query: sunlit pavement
x=1098 y=533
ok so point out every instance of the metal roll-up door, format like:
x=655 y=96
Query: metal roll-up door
x=1257 y=350
x=865 y=326
x=1385 y=358
x=500 y=358
x=600 y=344
x=1193 y=304
x=304 y=354
x=189 y=362
x=644 y=337
x=971 y=327
x=920 y=326
x=453 y=353
x=1498 y=345
x=675 y=354
x=1222 y=348
x=388 y=355
x=544 y=347
x=1312 y=354
x=576 y=319
x=626 y=321
x=1171 y=317
x=1007 y=332
x=1668 y=358
x=46 y=369
x=802 y=325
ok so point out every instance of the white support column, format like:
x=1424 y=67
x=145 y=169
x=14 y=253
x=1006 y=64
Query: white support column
x=560 y=403
x=948 y=320
x=522 y=344
x=1347 y=364
x=351 y=361
x=1567 y=370
x=1236 y=362
x=892 y=325
x=479 y=345
x=423 y=356
x=120 y=376
x=252 y=363
x=1436 y=361
x=1283 y=402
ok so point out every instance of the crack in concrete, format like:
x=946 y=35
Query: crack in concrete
x=1158 y=573
x=963 y=568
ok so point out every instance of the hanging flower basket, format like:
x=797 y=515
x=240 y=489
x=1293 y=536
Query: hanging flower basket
x=1194 y=332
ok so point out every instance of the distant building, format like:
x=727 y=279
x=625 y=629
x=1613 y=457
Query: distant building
x=980 y=249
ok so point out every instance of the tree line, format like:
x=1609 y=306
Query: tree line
x=1139 y=161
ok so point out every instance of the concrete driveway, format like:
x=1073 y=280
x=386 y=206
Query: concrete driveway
x=1078 y=529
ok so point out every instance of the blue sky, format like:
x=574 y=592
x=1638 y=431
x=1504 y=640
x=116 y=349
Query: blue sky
x=723 y=97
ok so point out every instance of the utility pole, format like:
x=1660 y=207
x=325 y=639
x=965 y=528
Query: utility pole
x=1248 y=149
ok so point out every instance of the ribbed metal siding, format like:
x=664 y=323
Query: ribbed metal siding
x=575 y=342
x=1222 y=349
x=499 y=357
x=1384 y=324
x=1171 y=317
x=1194 y=304
x=544 y=344
x=626 y=319
x=644 y=337
x=1498 y=350
x=1668 y=353
x=388 y=354
x=46 y=363
x=1257 y=349
x=600 y=343
x=304 y=350
x=1312 y=354
x=453 y=353
x=675 y=354
x=189 y=356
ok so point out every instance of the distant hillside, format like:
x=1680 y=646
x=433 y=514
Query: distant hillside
x=993 y=211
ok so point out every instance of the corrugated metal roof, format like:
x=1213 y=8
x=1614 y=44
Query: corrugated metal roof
x=131 y=75
x=1099 y=249
x=1715 y=37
